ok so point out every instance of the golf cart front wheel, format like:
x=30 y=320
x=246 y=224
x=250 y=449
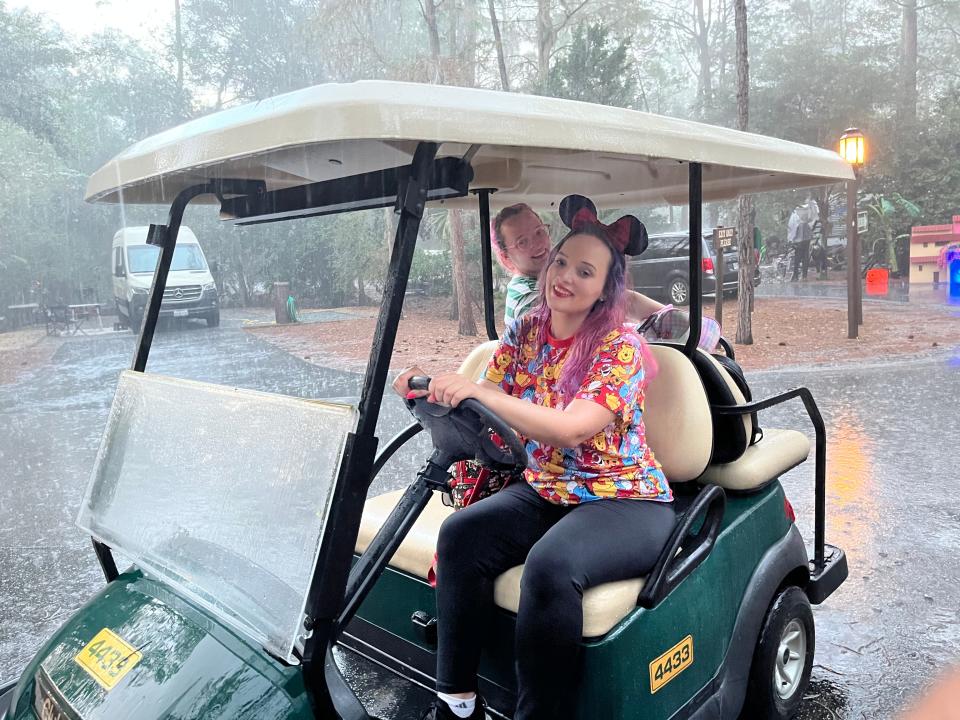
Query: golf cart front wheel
x=783 y=658
x=679 y=291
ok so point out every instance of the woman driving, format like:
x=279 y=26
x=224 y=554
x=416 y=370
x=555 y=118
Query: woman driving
x=595 y=507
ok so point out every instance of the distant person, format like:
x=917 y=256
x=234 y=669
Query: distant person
x=799 y=235
x=818 y=256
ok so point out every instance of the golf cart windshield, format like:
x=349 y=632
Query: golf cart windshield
x=143 y=258
x=229 y=507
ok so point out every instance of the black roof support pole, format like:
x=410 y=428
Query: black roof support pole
x=330 y=695
x=486 y=261
x=164 y=236
x=696 y=257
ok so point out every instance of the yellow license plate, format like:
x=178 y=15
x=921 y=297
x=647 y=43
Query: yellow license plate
x=673 y=662
x=107 y=658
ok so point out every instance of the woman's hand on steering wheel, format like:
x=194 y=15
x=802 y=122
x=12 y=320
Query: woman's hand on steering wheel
x=447 y=389
x=452 y=389
x=401 y=385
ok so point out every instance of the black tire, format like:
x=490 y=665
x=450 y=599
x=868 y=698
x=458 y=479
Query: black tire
x=775 y=689
x=213 y=319
x=135 y=320
x=677 y=291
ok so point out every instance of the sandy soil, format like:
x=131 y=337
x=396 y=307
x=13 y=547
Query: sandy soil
x=785 y=332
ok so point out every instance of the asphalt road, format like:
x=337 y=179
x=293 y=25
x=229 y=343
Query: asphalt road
x=893 y=503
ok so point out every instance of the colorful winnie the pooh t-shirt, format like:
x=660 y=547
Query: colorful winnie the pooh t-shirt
x=616 y=462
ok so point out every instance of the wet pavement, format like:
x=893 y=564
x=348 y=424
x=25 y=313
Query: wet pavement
x=897 y=291
x=893 y=501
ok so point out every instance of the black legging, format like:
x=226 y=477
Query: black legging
x=565 y=550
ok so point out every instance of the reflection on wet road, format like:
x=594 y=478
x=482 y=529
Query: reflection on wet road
x=893 y=501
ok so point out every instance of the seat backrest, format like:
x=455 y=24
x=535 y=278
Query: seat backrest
x=677 y=416
x=731 y=433
x=476 y=362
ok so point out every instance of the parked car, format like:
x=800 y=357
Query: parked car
x=662 y=270
x=190 y=292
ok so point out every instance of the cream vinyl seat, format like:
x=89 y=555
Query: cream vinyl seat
x=754 y=465
x=678 y=426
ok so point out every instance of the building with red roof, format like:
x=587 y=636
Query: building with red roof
x=926 y=245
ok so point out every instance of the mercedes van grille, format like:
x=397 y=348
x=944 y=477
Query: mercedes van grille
x=184 y=293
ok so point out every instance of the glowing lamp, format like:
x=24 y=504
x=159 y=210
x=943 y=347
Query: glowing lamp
x=853 y=147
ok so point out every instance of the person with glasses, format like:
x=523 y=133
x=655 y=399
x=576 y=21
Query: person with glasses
x=521 y=244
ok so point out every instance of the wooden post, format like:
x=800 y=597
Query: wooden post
x=853 y=263
x=718 y=300
x=722 y=239
x=281 y=291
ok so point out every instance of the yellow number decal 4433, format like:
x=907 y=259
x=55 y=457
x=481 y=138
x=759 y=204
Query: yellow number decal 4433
x=107 y=658
x=673 y=662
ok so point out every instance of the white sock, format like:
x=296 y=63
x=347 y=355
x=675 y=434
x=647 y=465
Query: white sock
x=458 y=706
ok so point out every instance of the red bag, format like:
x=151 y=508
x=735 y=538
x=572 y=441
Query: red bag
x=470 y=482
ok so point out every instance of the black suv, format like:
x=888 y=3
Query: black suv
x=661 y=272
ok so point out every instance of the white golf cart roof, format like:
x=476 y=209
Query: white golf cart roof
x=530 y=149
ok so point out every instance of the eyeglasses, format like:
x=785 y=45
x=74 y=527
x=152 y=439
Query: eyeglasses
x=523 y=242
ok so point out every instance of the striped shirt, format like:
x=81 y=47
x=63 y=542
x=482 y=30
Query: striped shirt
x=521 y=292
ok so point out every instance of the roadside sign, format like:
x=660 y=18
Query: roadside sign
x=862 y=221
x=723 y=237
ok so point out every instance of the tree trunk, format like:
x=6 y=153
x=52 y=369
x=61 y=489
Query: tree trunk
x=546 y=38
x=745 y=204
x=362 y=299
x=908 y=66
x=705 y=80
x=461 y=284
x=241 y=276
x=389 y=229
x=498 y=43
x=429 y=8
x=179 y=45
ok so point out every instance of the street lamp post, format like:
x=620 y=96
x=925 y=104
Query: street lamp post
x=853 y=150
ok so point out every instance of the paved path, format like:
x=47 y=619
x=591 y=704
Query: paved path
x=893 y=502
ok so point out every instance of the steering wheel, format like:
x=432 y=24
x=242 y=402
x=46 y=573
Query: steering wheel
x=465 y=432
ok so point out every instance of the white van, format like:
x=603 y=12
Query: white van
x=190 y=292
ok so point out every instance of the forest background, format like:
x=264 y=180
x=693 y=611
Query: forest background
x=68 y=103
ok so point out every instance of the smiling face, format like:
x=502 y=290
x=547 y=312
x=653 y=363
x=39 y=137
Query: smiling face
x=576 y=278
x=527 y=242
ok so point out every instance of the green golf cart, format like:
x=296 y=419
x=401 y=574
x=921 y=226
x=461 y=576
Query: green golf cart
x=255 y=548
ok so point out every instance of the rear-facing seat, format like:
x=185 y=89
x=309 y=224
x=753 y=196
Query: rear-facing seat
x=678 y=426
x=736 y=464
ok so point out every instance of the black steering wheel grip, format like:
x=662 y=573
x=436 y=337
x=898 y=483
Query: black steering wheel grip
x=466 y=431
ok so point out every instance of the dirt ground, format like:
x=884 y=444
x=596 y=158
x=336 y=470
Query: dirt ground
x=24 y=349
x=785 y=331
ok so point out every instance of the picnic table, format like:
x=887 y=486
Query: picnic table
x=82 y=313
x=20 y=315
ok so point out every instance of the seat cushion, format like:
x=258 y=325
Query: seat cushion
x=676 y=416
x=773 y=455
x=603 y=606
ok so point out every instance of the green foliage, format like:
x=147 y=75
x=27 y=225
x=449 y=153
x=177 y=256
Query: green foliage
x=890 y=214
x=595 y=68
x=67 y=106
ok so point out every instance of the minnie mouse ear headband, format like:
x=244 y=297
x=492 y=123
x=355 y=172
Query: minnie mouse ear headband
x=627 y=234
